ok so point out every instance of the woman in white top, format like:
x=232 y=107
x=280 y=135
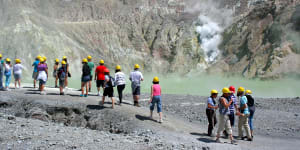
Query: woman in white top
x=120 y=82
x=17 y=70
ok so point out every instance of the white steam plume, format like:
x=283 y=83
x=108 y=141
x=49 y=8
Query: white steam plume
x=212 y=21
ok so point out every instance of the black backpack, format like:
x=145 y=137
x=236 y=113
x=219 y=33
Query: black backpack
x=111 y=82
x=250 y=102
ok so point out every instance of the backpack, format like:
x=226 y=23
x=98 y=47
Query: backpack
x=61 y=74
x=250 y=99
x=111 y=82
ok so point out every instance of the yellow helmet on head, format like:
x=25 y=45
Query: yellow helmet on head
x=0 y=55
x=155 y=79
x=7 y=60
x=45 y=58
x=226 y=90
x=84 y=60
x=18 y=61
x=57 y=60
x=213 y=92
x=64 y=57
x=248 y=92
x=42 y=60
x=241 y=89
x=38 y=57
x=118 y=67
x=136 y=66
x=89 y=57
x=63 y=62
x=101 y=62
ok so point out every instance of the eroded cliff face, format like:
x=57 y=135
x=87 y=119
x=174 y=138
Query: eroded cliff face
x=262 y=39
x=123 y=32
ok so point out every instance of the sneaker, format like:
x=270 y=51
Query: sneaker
x=233 y=142
x=56 y=86
x=85 y=95
x=138 y=105
x=81 y=95
x=249 y=139
x=89 y=90
x=160 y=121
x=98 y=94
x=62 y=93
x=218 y=141
x=43 y=93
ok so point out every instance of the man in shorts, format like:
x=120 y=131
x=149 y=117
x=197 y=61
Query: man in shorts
x=136 y=77
x=99 y=75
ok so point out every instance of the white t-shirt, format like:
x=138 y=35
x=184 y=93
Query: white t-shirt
x=18 y=69
x=7 y=67
x=120 y=78
x=136 y=77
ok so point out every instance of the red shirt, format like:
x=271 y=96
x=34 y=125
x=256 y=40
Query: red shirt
x=100 y=72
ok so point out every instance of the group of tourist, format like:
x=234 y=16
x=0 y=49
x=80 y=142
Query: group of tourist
x=229 y=105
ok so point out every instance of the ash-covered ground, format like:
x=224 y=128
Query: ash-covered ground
x=32 y=121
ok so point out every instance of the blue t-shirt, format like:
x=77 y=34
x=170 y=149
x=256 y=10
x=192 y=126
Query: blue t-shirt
x=243 y=101
x=231 y=107
x=35 y=64
x=211 y=102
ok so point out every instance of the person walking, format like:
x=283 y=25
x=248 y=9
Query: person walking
x=99 y=76
x=7 y=73
x=136 y=77
x=211 y=111
x=55 y=68
x=43 y=75
x=17 y=70
x=251 y=105
x=224 y=121
x=156 y=99
x=85 y=78
x=108 y=88
x=35 y=71
x=243 y=115
x=68 y=71
x=1 y=72
x=61 y=75
x=91 y=65
x=120 y=80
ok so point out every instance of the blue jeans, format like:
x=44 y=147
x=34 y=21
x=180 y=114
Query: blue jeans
x=250 y=121
x=1 y=80
x=156 y=100
x=7 y=81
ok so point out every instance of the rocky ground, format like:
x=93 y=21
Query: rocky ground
x=32 y=121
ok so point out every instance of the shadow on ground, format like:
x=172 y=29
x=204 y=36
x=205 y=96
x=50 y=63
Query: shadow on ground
x=143 y=118
x=95 y=107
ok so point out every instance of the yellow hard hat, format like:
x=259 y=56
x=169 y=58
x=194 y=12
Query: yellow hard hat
x=64 y=57
x=42 y=59
x=118 y=67
x=136 y=66
x=84 y=60
x=39 y=57
x=57 y=60
x=89 y=57
x=0 y=55
x=63 y=62
x=18 y=61
x=241 y=89
x=155 y=79
x=101 y=61
x=214 y=92
x=248 y=92
x=7 y=60
x=226 y=90
x=45 y=58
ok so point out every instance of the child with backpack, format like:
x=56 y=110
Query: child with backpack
x=86 y=75
x=61 y=75
x=156 y=99
x=108 y=86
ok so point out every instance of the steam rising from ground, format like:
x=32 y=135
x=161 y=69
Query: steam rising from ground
x=212 y=21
